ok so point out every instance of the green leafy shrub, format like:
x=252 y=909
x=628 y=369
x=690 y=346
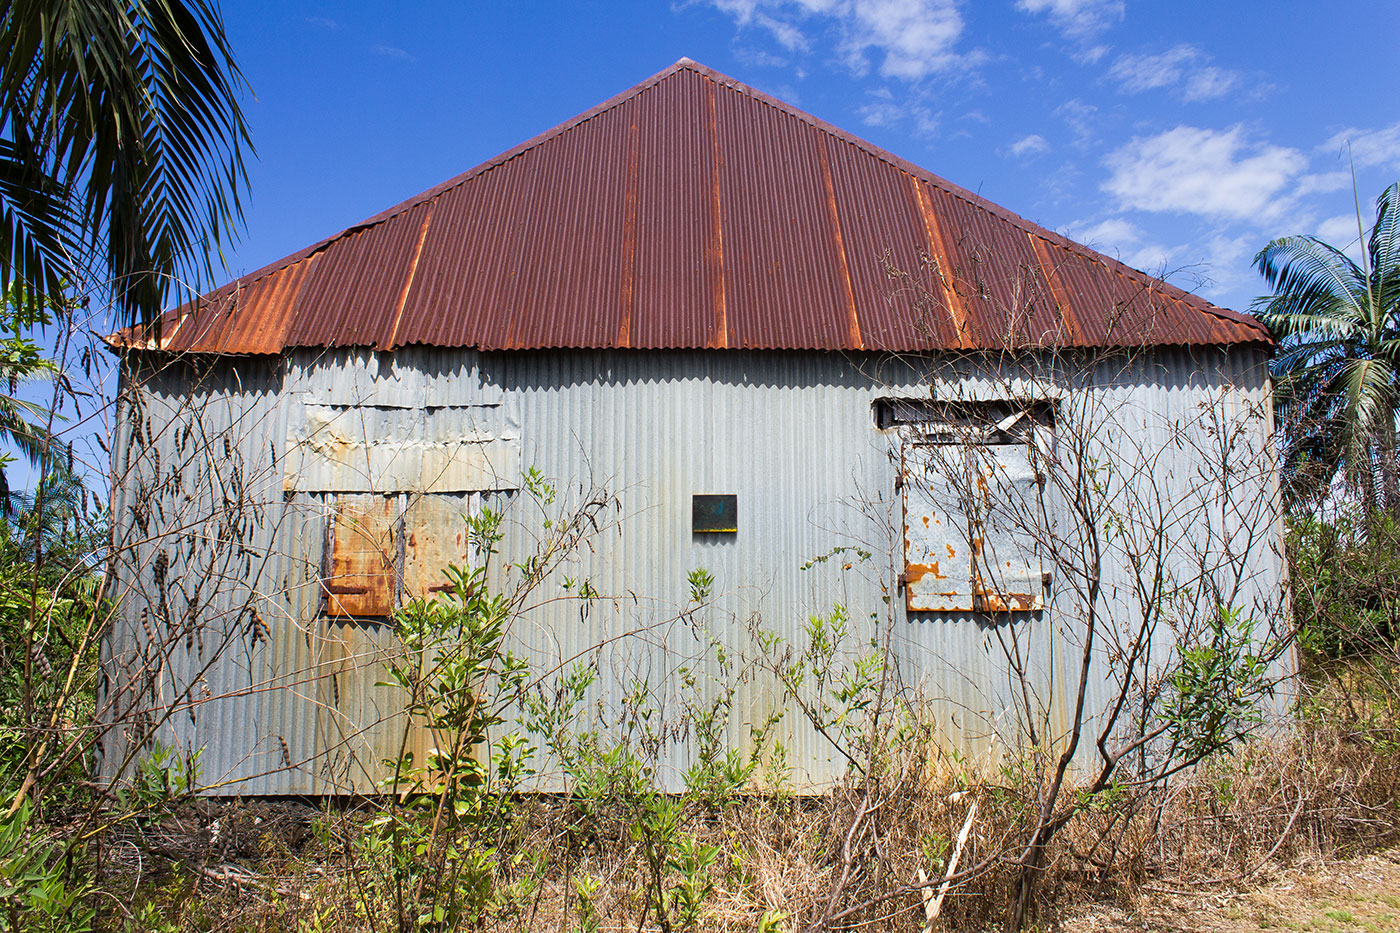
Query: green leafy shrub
x=1345 y=574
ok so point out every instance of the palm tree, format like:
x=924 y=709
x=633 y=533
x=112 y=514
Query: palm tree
x=1338 y=360
x=121 y=146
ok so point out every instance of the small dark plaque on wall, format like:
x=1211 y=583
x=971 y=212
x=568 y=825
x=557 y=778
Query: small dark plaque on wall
x=714 y=514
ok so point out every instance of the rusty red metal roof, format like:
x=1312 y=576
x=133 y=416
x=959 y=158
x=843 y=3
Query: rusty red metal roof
x=694 y=211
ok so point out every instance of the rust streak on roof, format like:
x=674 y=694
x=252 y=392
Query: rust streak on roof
x=720 y=337
x=408 y=282
x=629 y=240
x=1064 y=308
x=938 y=253
x=854 y=325
x=693 y=211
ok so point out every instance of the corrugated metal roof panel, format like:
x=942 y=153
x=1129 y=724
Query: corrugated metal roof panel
x=693 y=211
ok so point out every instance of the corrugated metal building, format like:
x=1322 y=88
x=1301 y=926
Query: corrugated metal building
x=691 y=290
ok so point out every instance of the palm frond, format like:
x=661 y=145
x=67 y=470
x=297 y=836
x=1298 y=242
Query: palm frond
x=137 y=106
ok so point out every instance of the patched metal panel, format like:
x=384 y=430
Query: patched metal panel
x=359 y=720
x=937 y=530
x=437 y=536
x=361 y=568
x=364 y=448
x=973 y=516
x=1008 y=573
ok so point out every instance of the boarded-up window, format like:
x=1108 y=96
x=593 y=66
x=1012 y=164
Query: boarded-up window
x=384 y=550
x=437 y=537
x=361 y=565
x=974 y=518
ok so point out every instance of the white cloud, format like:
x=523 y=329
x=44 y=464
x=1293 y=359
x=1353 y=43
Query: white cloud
x=1369 y=148
x=1113 y=232
x=1209 y=83
x=884 y=110
x=1185 y=67
x=1091 y=55
x=760 y=58
x=1077 y=19
x=1215 y=173
x=912 y=38
x=1340 y=231
x=1080 y=117
x=880 y=112
x=788 y=35
x=918 y=37
x=1323 y=182
x=393 y=51
x=1124 y=240
x=1033 y=144
x=1227 y=261
x=1153 y=258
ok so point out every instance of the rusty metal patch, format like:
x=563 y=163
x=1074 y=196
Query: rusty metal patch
x=361 y=578
x=970 y=528
x=436 y=536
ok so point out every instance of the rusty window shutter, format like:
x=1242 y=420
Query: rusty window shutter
x=972 y=514
x=361 y=578
x=1009 y=524
x=436 y=537
x=937 y=554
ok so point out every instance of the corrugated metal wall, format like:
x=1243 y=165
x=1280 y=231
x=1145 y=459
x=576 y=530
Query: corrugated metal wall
x=221 y=549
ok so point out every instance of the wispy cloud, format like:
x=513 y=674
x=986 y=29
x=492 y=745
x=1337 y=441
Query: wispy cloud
x=1079 y=117
x=886 y=110
x=1034 y=144
x=1322 y=182
x=1077 y=19
x=907 y=39
x=1369 y=148
x=1115 y=236
x=325 y=22
x=1214 y=173
x=392 y=51
x=1341 y=231
x=1184 y=67
x=760 y=58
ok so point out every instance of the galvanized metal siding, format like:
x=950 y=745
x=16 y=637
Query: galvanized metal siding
x=792 y=434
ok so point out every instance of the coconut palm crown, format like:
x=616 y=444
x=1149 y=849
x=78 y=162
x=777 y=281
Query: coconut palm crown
x=1338 y=359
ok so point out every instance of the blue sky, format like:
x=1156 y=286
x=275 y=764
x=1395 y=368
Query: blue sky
x=1177 y=136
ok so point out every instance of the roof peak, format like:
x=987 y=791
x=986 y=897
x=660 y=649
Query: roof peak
x=719 y=169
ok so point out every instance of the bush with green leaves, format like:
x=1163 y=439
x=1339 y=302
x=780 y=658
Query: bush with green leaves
x=1345 y=573
x=432 y=847
x=38 y=892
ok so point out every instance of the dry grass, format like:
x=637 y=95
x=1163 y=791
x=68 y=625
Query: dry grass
x=1326 y=790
